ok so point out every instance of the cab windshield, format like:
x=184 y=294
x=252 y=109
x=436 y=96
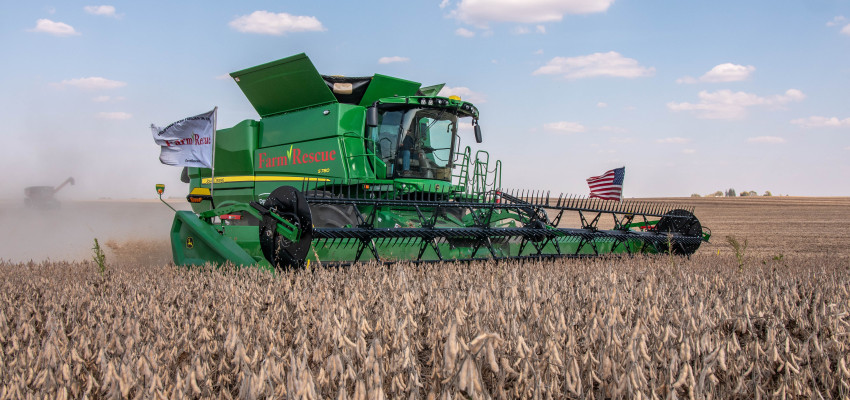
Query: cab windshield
x=416 y=143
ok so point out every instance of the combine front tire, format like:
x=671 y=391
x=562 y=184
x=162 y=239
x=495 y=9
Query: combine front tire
x=289 y=204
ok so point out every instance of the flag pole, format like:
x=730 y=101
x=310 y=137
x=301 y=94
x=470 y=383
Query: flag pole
x=212 y=177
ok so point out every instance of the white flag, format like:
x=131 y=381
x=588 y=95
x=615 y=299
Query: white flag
x=188 y=142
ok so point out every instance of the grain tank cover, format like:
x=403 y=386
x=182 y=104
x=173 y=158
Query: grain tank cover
x=283 y=85
x=293 y=82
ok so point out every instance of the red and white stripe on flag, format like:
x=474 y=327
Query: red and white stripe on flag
x=608 y=186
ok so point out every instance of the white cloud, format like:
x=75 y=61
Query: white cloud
x=444 y=3
x=676 y=140
x=522 y=30
x=104 y=99
x=836 y=21
x=116 y=115
x=269 y=23
x=726 y=72
x=393 y=59
x=840 y=20
x=613 y=129
x=464 y=32
x=602 y=104
x=688 y=151
x=92 y=83
x=464 y=92
x=766 y=139
x=54 y=28
x=108 y=11
x=564 y=127
x=822 y=122
x=480 y=12
x=725 y=104
x=593 y=65
x=538 y=52
x=621 y=140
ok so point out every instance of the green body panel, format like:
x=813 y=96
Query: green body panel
x=383 y=86
x=317 y=159
x=299 y=126
x=283 y=85
x=195 y=242
x=432 y=90
x=243 y=195
x=234 y=149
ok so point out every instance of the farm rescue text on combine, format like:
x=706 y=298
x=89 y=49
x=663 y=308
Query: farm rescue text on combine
x=296 y=157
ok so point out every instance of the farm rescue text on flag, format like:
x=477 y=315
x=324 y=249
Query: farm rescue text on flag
x=188 y=142
x=608 y=186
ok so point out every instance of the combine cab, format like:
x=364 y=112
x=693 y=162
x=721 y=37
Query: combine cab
x=341 y=169
x=43 y=197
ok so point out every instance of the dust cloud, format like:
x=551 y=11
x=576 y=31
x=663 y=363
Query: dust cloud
x=127 y=228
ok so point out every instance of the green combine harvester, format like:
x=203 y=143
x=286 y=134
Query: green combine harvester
x=349 y=169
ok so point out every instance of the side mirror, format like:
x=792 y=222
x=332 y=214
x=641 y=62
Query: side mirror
x=478 y=138
x=372 y=116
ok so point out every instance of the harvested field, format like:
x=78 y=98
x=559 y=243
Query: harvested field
x=655 y=327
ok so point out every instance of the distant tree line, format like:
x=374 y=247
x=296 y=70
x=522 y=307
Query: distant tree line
x=732 y=193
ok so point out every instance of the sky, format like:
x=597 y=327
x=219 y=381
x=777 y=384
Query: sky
x=691 y=97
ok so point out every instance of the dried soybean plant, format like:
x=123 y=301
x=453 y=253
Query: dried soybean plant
x=607 y=328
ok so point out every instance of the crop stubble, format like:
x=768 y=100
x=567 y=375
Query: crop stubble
x=607 y=328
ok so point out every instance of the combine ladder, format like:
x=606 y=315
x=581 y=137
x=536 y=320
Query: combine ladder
x=461 y=179
x=485 y=180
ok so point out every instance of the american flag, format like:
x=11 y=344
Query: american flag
x=608 y=186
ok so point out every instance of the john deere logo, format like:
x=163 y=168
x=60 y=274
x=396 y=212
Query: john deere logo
x=190 y=242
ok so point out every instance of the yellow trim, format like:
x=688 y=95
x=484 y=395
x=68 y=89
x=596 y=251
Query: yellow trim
x=251 y=178
x=200 y=192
